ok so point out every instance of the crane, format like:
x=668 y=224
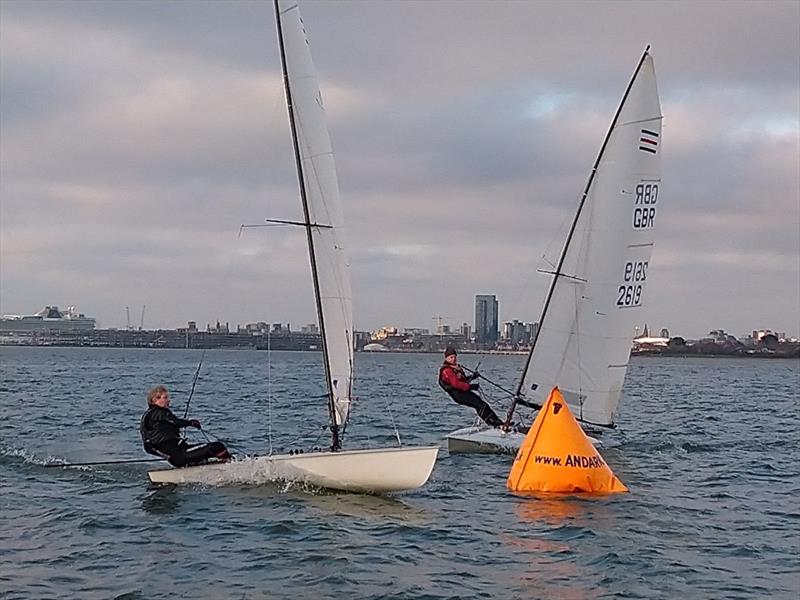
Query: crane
x=141 y=320
x=127 y=318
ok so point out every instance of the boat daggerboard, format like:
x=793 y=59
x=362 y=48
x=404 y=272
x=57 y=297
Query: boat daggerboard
x=557 y=456
x=322 y=207
x=587 y=327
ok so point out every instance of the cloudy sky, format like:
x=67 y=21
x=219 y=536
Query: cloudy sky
x=135 y=138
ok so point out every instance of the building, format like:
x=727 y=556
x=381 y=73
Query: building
x=310 y=328
x=517 y=333
x=50 y=318
x=759 y=334
x=533 y=331
x=385 y=332
x=486 y=319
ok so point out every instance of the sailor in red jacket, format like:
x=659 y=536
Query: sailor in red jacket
x=455 y=382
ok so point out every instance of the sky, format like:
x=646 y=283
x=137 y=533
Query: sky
x=136 y=137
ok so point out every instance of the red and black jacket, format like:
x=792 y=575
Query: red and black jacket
x=452 y=378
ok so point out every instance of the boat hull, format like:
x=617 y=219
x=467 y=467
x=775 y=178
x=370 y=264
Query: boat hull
x=491 y=440
x=364 y=471
x=482 y=440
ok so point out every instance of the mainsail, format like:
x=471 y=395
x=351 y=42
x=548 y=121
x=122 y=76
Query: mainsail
x=322 y=210
x=587 y=324
x=372 y=471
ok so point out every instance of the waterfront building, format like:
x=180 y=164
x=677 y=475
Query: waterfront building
x=310 y=328
x=486 y=310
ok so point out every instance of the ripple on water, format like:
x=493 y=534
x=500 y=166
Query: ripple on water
x=712 y=511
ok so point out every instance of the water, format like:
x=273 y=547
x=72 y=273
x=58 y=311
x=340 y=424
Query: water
x=708 y=447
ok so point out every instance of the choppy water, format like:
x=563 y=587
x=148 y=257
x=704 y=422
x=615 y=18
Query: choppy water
x=708 y=447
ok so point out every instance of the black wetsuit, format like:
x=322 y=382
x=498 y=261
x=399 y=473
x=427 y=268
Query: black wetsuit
x=160 y=430
x=455 y=382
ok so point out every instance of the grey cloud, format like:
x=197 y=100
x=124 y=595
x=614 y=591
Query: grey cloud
x=136 y=137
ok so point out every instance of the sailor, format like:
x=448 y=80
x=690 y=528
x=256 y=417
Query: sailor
x=455 y=382
x=160 y=430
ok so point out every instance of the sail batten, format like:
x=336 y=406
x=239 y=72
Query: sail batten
x=321 y=204
x=587 y=324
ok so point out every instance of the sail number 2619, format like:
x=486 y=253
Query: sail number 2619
x=630 y=294
x=644 y=207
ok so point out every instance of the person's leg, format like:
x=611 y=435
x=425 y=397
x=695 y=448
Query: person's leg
x=200 y=454
x=181 y=454
x=488 y=415
x=150 y=449
x=474 y=401
x=175 y=451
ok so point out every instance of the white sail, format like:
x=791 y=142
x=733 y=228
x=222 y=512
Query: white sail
x=324 y=209
x=587 y=327
x=368 y=470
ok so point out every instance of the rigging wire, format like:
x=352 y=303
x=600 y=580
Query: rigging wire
x=493 y=401
x=522 y=297
x=394 y=425
x=578 y=293
x=489 y=381
x=323 y=429
x=194 y=383
x=269 y=390
x=212 y=437
x=104 y=462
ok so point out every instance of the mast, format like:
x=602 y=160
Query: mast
x=558 y=273
x=335 y=441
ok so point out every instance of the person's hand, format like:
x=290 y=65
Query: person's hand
x=195 y=423
x=474 y=386
x=474 y=375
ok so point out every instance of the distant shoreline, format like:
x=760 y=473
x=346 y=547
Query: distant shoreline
x=759 y=355
x=715 y=355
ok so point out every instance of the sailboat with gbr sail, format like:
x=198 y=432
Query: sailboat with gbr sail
x=373 y=470
x=586 y=327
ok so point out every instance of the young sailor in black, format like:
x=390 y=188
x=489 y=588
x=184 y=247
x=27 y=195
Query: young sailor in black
x=160 y=430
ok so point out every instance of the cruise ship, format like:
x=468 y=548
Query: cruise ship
x=50 y=318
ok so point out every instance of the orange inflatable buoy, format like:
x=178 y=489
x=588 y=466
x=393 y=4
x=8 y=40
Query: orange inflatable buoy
x=557 y=456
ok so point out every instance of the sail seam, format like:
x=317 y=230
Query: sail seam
x=658 y=118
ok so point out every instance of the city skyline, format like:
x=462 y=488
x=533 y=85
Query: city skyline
x=511 y=328
x=460 y=157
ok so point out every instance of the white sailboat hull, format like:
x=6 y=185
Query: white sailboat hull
x=364 y=471
x=483 y=440
x=491 y=440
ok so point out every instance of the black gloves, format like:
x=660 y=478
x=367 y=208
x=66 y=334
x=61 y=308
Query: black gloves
x=474 y=375
x=195 y=423
x=474 y=386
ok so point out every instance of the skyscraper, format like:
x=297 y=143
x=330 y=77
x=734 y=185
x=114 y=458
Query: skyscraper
x=486 y=319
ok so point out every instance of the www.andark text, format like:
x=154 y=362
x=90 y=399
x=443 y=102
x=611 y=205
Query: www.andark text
x=571 y=460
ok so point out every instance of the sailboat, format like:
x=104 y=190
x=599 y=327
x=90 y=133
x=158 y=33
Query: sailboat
x=586 y=327
x=374 y=470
